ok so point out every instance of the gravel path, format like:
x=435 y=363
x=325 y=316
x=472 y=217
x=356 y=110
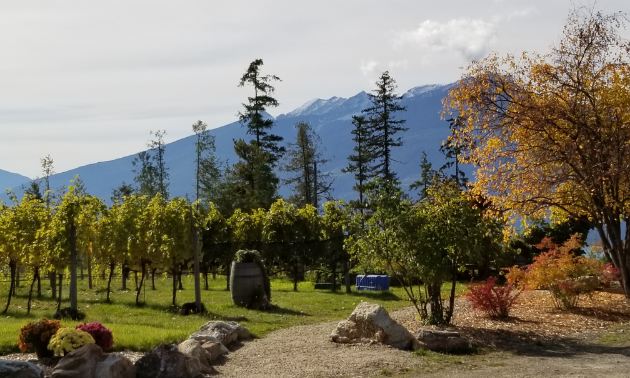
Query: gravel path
x=306 y=351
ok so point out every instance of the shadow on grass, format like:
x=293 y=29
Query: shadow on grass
x=380 y=295
x=219 y=317
x=132 y=304
x=285 y=311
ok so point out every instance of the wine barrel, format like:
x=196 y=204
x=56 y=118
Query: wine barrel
x=246 y=282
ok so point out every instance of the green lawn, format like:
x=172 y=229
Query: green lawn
x=144 y=327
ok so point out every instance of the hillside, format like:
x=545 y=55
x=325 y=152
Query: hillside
x=331 y=118
x=10 y=180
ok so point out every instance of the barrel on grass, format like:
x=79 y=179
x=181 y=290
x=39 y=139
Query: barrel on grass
x=246 y=283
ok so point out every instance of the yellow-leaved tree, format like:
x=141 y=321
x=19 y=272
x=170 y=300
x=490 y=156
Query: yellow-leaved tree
x=551 y=133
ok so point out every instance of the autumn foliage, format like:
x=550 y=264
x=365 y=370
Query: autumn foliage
x=564 y=274
x=551 y=133
x=495 y=301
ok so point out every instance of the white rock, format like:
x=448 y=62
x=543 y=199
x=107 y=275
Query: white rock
x=223 y=332
x=192 y=347
x=371 y=323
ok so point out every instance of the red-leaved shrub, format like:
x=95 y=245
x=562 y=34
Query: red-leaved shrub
x=103 y=337
x=495 y=301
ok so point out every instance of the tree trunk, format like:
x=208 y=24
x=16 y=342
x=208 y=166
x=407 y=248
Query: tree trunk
x=135 y=277
x=179 y=278
x=295 y=277
x=227 y=277
x=196 y=263
x=89 y=267
x=451 y=302
x=346 y=273
x=139 y=288
x=39 y=285
x=125 y=274
x=615 y=248
x=435 y=301
x=153 y=278
x=52 y=276
x=12 y=268
x=73 y=267
x=174 y=285
x=334 y=277
x=60 y=291
x=30 y=292
x=112 y=266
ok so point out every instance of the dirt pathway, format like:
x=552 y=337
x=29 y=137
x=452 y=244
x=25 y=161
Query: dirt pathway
x=306 y=351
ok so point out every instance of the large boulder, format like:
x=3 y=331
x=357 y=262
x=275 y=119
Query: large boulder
x=215 y=349
x=370 y=323
x=166 y=361
x=115 y=366
x=441 y=341
x=20 y=369
x=89 y=361
x=192 y=348
x=223 y=332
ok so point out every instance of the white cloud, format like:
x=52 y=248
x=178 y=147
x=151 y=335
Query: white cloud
x=404 y=64
x=368 y=68
x=470 y=38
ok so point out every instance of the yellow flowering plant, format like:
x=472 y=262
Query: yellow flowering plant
x=68 y=339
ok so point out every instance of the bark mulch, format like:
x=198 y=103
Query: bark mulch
x=533 y=319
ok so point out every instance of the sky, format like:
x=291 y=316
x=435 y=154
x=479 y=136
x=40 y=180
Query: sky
x=86 y=82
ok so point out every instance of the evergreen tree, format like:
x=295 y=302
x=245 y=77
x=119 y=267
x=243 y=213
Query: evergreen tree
x=304 y=161
x=252 y=116
x=33 y=190
x=119 y=193
x=158 y=148
x=151 y=172
x=47 y=169
x=360 y=162
x=384 y=126
x=207 y=171
x=146 y=174
x=251 y=183
x=452 y=150
x=426 y=176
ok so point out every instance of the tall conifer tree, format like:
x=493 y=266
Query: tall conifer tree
x=252 y=183
x=253 y=116
x=208 y=165
x=304 y=160
x=384 y=126
x=360 y=162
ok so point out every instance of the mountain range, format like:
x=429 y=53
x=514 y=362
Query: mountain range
x=330 y=118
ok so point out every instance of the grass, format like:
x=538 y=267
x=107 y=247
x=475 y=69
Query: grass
x=156 y=321
x=617 y=335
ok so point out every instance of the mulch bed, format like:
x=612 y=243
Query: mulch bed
x=533 y=319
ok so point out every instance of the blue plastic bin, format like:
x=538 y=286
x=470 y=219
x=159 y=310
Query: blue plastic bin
x=372 y=282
